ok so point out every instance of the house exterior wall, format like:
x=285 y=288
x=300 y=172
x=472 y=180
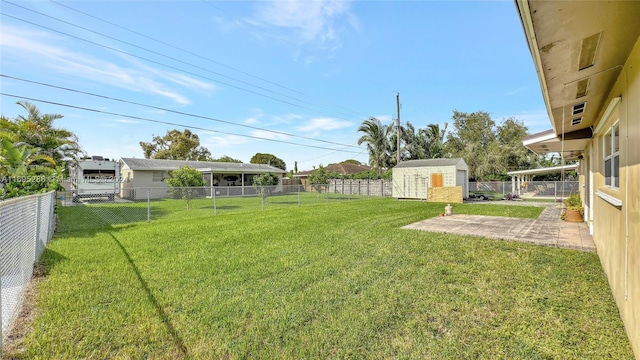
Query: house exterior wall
x=616 y=229
x=413 y=182
x=135 y=181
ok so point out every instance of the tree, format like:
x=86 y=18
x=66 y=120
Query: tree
x=182 y=181
x=176 y=145
x=514 y=156
x=229 y=159
x=319 y=178
x=263 y=185
x=376 y=137
x=490 y=150
x=435 y=139
x=351 y=161
x=19 y=173
x=37 y=131
x=268 y=159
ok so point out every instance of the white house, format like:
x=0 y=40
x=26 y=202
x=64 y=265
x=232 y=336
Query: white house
x=412 y=179
x=587 y=58
x=152 y=173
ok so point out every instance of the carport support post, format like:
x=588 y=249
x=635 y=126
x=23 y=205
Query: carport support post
x=148 y=205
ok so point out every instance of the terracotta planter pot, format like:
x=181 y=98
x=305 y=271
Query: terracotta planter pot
x=573 y=216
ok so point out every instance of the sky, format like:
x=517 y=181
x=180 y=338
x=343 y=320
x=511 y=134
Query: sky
x=290 y=78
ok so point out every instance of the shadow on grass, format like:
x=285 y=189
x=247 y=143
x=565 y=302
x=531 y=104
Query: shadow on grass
x=293 y=202
x=91 y=219
x=340 y=198
x=177 y=340
x=48 y=261
x=221 y=207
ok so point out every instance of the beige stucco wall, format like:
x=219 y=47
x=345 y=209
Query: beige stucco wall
x=139 y=180
x=616 y=230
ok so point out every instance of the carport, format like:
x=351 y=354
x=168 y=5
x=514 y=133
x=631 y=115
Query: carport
x=521 y=176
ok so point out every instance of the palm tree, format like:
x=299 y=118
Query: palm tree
x=416 y=145
x=37 y=131
x=17 y=161
x=434 y=136
x=376 y=136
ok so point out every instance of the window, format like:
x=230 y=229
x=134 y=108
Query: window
x=158 y=176
x=611 y=152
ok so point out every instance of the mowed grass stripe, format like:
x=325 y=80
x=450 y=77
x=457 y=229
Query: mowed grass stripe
x=328 y=280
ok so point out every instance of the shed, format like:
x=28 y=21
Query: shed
x=413 y=178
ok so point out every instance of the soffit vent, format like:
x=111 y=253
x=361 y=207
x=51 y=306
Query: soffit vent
x=576 y=121
x=588 y=51
x=582 y=88
x=578 y=109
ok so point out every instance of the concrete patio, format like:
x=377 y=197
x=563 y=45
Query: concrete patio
x=547 y=229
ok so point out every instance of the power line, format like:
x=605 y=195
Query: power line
x=173 y=111
x=169 y=123
x=177 y=48
x=161 y=54
x=165 y=65
x=182 y=61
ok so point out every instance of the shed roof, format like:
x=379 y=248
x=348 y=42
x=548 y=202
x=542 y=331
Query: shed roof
x=168 y=165
x=432 y=162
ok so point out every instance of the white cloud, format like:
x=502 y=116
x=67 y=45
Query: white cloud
x=319 y=22
x=285 y=119
x=269 y=135
x=29 y=46
x=384 y=118
x=215 y=142
x=326 y=124
x=126 y=121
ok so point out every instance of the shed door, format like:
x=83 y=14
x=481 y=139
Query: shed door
x=463 y=180
x=437 y=180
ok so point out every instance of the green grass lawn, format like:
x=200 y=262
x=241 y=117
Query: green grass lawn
x=326 y=280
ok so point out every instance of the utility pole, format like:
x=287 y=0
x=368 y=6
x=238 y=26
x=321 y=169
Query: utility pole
x=398 y=126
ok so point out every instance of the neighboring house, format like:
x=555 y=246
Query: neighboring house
x=587 y=56
x=412 y=179
x=342 y=169
x=152 y=173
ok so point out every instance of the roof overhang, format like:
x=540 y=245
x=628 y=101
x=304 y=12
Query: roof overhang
x=578 y=49
x=570 y=145
x=240 y=171
x=542 y=171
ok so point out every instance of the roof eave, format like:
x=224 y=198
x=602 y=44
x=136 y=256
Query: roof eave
x=530 y=34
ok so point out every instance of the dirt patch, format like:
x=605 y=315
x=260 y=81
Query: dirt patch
x=13 y=343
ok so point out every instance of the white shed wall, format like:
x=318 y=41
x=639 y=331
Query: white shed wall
x=412 y=183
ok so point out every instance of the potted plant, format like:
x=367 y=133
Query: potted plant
x=573 y=209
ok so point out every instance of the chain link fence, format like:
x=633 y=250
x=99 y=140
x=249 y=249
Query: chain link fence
x=556 y=190
x=26 y=226
x=93 y=210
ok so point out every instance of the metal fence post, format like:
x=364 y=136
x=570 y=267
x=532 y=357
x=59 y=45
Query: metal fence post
x=148 y=205
x=299 y=203
x=37 y=234
x=215 y=209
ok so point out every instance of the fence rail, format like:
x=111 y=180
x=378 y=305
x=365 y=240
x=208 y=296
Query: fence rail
x=26 y=226
x=530 y=189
